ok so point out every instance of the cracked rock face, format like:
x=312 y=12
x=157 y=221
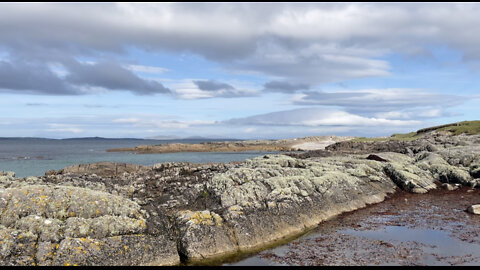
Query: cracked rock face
x=202 y=234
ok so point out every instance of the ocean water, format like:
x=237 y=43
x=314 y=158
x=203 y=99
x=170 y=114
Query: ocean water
x=34 y=156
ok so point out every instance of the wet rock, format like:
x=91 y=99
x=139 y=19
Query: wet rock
x=376 y=157
x=475 y=171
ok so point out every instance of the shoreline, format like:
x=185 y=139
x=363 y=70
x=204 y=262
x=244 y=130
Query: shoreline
x=388 y=234
x=284 y=145
x=172 y=213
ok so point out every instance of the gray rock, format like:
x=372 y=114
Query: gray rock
x=121 y=214
x=203 y=235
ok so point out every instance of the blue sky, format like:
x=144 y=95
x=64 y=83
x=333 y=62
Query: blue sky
x=249 y=70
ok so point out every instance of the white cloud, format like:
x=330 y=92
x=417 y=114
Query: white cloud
x=381 y=101
x=316 y=117
x=413 y=114
x=146 y=69
x=306 y=42
x=188 y=89
x=148 y=122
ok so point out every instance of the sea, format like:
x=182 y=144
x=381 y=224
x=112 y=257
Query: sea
x=34 y=156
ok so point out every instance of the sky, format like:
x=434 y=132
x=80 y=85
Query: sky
x=236 y=70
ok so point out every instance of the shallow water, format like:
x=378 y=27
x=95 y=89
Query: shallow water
x=434 y=241
x=31 y=156
x=407 y=229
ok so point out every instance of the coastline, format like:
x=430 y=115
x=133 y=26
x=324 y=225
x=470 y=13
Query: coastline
x=168 y=213
x=284 y=145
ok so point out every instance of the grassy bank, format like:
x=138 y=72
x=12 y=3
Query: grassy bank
x=467 y=127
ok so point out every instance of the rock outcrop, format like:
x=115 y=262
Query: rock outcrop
x=121 y=214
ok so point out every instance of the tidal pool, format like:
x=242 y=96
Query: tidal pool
x=405 y=229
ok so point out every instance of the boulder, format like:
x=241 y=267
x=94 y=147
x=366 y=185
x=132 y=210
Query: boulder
x=474 y=209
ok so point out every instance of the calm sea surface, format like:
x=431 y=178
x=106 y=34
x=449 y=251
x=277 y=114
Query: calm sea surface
x=34 y=156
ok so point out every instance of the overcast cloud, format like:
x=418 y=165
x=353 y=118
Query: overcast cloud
x=288 y=55
x=303 y=42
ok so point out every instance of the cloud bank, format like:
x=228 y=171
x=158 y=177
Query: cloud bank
x=304 y=43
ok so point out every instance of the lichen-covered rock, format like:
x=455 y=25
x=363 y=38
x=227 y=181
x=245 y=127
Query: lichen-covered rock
x=276 y=196
x=121 y=214
x=444 y=172
x=61 y=203
x=6 y=179
x=54 y=215
x=410 y=178
x=116 y=250
x=202 y=235
x=17 y=247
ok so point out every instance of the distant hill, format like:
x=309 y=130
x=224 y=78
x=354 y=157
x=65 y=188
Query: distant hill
x=196 y=138
x=100 y=138
x=167 y=137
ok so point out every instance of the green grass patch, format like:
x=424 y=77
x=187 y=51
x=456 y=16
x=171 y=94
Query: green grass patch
x=372 y=139
x=406 y=137
x=467 y=127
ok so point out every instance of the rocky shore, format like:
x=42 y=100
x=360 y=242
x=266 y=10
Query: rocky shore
x=165 y=214
x=298 y=144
